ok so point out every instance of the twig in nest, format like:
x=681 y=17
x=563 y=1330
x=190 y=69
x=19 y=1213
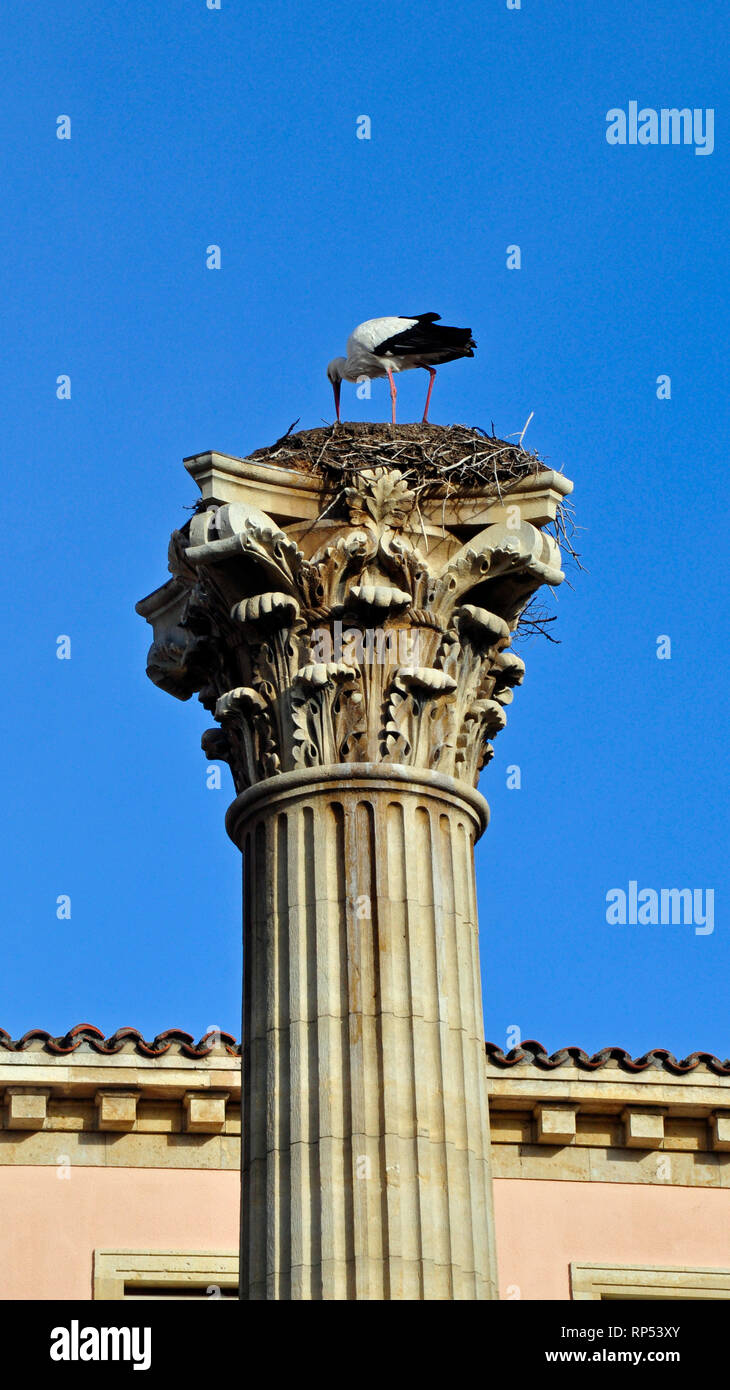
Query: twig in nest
x=525 y=429
x=282 y=437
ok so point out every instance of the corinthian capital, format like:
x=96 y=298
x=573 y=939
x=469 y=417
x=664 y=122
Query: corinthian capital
x=369 y=622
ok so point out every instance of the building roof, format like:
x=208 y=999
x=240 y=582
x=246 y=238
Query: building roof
x=85 y=1036
x=176 y=1042
x=533 y=1054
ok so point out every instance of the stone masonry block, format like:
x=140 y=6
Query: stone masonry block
x=26 y=1109
x=555 y=1124
x=644 y=1129
x=205 y=1111
x=116 y=1110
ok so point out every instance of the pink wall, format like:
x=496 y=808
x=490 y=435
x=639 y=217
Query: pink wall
x=49 y=1226
x=543 y=1226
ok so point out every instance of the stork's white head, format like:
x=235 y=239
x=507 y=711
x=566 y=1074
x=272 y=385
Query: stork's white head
x=336 y=369
x=335 y=372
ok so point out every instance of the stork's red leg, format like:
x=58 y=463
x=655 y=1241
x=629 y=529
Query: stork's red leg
x=336 y=387
x=393 y=392
x=432 y=372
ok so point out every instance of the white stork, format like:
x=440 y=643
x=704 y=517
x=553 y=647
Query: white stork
x=380 y=347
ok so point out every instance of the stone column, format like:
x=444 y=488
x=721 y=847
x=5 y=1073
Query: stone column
x=366 y=1129
x=355 y=656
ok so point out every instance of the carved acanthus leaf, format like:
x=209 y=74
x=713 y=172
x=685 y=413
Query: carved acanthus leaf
x=420 y=673
x=379 y=495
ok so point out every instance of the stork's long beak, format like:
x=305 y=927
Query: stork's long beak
x=336 y=386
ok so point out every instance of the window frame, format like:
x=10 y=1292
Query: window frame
x=116 y=1270
x=606 y=1282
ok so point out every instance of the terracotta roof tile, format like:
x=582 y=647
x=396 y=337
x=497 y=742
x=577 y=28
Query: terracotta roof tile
x=534 y=1054
x=86 y=1035
x=175 y=1041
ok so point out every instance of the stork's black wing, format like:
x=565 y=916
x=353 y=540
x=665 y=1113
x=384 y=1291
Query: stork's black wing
x=427 y=338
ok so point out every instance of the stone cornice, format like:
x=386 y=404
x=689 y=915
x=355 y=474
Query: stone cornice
x=610 y=1086
x=541 y=1119
x=179 y=1099
x=609 y=1094
x=289 y=494
x=81 y=1073
x=170 y=1078
x=172 y=1111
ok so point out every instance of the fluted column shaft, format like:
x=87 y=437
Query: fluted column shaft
x=365 y=1130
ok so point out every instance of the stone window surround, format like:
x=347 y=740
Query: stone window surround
x=140 y=1274
x=654 y=1282
x=121 y=1274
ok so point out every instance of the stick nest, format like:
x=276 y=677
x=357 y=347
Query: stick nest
x=451 y=459
x=457 y=457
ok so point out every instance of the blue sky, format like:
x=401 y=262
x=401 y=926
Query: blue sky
x=192 y=127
